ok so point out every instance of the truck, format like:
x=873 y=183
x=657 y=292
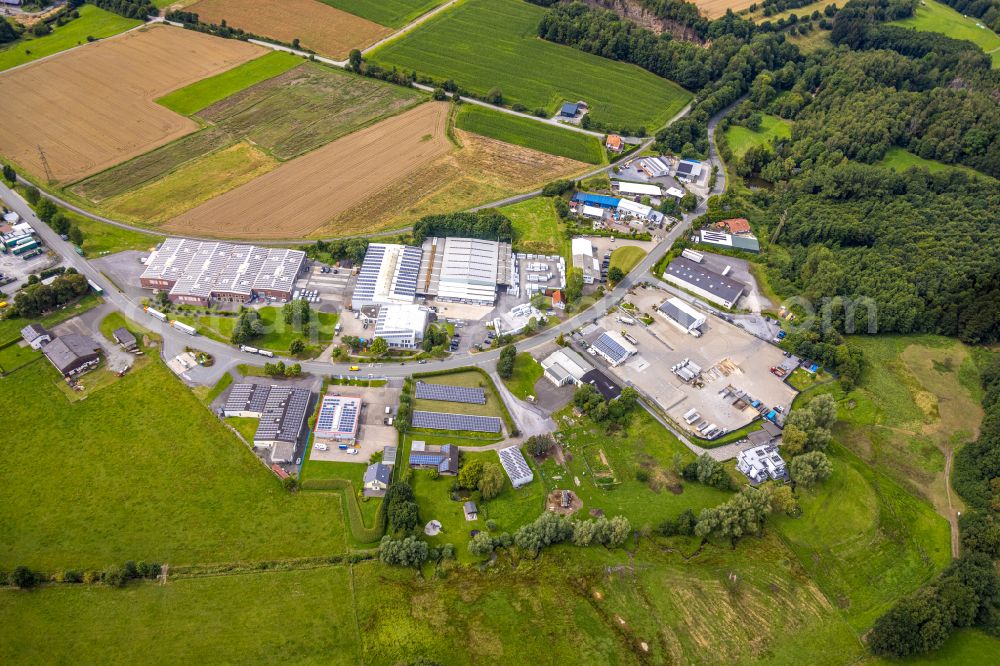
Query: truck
x=264 y=352
x=96 y=287
x=628 y=321
x=342 y=447
x=629 y=338
x=155 y=314
x=184 y=328
x=249 y=350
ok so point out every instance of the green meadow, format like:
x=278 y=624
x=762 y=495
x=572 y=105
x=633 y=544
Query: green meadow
x=934 y=16
x=390 y=13
x=530 y=134
x=742 y=139
x=485 y=44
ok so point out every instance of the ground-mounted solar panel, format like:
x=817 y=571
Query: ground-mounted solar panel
x=445 y=393
x=447 y=421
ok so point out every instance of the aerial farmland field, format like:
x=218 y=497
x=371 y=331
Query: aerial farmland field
x=392 y=13
x=303 y=194
x=530 y=134
x=317 y=25
x=715 y=8
x=485 y=44
x=110 y=86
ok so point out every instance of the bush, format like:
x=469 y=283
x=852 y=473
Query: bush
x=24 y=578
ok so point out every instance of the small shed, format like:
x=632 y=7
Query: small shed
x=471 y=512
x=569 y=110
x=124 y=337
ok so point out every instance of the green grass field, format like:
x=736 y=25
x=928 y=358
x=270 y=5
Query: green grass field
x=527 y=371
x=277 y=336
x=483 y=44
x=901 y=159
x=266 y=617
x=390 y=13
x=141 y=470
x=281 y=117
x=530 y=134
x=626 y=258
x=741 y=139
x=201 y=94
x=93 y=22
x=966 y=647
x=934 y=16
x=537 y=227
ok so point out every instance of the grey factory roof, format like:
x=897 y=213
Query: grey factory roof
x=682 y=315
x=718 y=285
x=247 y=398
x=66 y=350
x=284 y=415
x=202 y=268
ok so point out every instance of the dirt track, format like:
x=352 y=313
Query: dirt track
x=305 y=193
x=92 y=107
x=320 y=27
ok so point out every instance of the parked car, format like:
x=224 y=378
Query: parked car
x=321 y=446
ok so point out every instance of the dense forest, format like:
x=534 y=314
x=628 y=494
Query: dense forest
x=136 y=9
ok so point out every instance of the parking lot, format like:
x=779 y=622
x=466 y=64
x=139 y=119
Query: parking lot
x=727 y=356
x=16 y=269
x=373 y=433
x=333 y=289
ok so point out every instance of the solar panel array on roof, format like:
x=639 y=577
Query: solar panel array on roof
x=612 y=350
x=447 y=421
x=516 y=466
x=283 y=416
x=388 y=274
x=203 y=269
x=471 y=395
x=249 y=398
x=338 y=415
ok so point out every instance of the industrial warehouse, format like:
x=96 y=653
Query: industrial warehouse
x=282 y=412
x=464 y=270
x=388 y=275
x=200 y=272
x=701 y=281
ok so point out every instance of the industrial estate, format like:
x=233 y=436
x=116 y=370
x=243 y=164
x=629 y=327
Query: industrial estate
x=352 y=331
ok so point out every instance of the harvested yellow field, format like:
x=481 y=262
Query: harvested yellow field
x=193 y=183
x=483 y=170
x=92 y=107
x=317 y=26
x=713 y=9
x=304 y=194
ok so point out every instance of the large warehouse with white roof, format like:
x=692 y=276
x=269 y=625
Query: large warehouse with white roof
x=388 y=275
x=464 y=270
x=200 y=272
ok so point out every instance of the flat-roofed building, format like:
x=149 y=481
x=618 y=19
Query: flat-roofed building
x=338 y=418
x=197 y=272
x=246 y=400
x=464 y=270
x=642 y=189
x=388 y=275
x=633 y=209
x=745 y=241
x=402 y=326
x=703 y=282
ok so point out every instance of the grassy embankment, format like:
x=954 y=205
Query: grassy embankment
x=509 y=55
x=531 y=134
x=93 y=22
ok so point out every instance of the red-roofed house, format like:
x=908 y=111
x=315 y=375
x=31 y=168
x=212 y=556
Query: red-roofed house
x=736 y=225
x=614 y=143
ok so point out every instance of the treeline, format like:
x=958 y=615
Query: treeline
x=352 y=249
x=134 y=9
x=967 y=593
x=486 y=224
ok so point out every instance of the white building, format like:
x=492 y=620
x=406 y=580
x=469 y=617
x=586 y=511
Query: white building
x=584 y=259
x=654 y=167
x=642 y=189
x=464 y=270
x=682 y=315
x=593 y=211
x=515 y=321
x=626 y=207
x=564 y=366
x=675 y=193
x=388 y=275
x=402 y=326
x=613 y=347
x=762 y=463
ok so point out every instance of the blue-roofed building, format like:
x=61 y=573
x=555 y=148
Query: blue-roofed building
x=569 y=110
x=600 y=200
x=388 y=275
x=444 y=459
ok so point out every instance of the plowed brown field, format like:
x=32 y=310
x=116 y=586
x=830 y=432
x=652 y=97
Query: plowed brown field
x=92 y=107
x=328 y=31
x=305 y=193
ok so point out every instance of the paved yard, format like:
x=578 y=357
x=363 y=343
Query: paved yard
x=373 y=434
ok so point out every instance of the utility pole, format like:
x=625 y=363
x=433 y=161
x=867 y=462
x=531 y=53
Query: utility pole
x=45 y=164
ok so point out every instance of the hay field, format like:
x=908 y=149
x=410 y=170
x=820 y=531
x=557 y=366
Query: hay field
x=319 y=27
x=305 y=193
x=714 y=9
x=483 y=170
x=92 y=107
